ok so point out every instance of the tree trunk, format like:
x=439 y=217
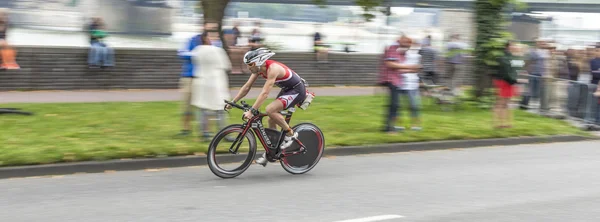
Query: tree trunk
x=214 y=11
x=488 y=18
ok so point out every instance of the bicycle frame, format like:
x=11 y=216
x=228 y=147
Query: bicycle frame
x=255 y=123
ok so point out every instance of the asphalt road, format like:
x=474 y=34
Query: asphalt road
x=545 y=182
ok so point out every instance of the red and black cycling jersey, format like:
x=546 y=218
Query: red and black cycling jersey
x=288 y=81
x=293 y=91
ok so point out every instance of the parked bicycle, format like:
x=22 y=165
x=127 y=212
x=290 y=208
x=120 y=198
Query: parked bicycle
x=301 y=157
x=442 y=95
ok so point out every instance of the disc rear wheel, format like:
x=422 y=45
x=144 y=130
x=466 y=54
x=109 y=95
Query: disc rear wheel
x=312 y=138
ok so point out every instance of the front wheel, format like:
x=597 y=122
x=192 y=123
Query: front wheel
x=228 y=164
x=312 y=138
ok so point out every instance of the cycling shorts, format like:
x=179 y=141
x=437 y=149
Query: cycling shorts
x=293 y=96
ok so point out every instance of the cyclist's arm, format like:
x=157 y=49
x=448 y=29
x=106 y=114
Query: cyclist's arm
x=246 y=88
x=271 y=77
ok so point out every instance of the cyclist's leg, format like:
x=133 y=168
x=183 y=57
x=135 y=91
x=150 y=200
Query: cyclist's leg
x=275 y=118
x=272 y=122
x=285 y=100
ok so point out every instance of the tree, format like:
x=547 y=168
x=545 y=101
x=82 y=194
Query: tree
x=491 y=23
x=214 y=11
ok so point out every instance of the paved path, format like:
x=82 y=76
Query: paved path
x=543 y=182
x=151 y=95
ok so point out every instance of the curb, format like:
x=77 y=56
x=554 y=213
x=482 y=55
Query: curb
x=452 y=144
x=186 y=161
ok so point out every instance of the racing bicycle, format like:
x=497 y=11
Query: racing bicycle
x=301 y=157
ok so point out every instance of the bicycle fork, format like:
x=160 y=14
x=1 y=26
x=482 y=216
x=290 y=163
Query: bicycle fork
x=238 y=142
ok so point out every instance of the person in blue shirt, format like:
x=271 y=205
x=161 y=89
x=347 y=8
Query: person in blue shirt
x=594 y=87
x=187 y=74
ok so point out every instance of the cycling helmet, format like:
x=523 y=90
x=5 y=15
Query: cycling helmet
x=258 y=56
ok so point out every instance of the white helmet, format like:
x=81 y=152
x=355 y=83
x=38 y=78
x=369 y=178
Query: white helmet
x=258 y=56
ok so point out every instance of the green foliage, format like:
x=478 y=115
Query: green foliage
x=369 y=7
x=320 y=3
x=491 y=25
x=519 y=5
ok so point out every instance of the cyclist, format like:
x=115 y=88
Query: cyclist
x=293 y=91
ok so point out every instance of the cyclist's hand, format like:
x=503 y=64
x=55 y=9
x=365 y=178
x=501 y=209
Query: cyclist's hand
x=227 y=107
x=248 y=114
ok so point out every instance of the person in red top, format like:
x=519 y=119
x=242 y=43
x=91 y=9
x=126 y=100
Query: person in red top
x=389 y=76
x=293 y=91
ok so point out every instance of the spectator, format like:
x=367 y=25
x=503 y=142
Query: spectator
x=573 y=90
x=210 y=85
x=556 y=68
x=535 y=64
x=594 y=111
x=318 y=44
x=573 y=65
x=236 y=33
x=390 y=68
x=556 y=63
x=185 y=82
x=187 y=75
x=256 y=38
x=504 y=80
x=100 y=54
x=410 y=84
x=428 y=60
x=7 y=52
x=563 y=64
x=427 y=41
x=455 y=49
x=584 y=62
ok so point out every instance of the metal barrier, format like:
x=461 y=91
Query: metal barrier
x=562 y=98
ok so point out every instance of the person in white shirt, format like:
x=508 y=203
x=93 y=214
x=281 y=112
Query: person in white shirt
x=210 y=86
x=410 y=84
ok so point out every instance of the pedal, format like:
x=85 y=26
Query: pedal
x=273 y=160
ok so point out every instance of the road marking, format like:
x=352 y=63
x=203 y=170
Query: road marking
x=374 y=218
x=153 y=170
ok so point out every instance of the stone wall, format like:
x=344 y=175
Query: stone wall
x=61 y=68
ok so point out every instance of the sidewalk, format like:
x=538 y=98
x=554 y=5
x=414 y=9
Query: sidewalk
x=154 y=95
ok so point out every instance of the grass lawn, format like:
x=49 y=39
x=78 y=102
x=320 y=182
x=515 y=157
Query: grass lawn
x=101 y=131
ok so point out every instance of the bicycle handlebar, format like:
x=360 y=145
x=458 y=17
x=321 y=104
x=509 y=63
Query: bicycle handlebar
x=245 y=107
x=237 y=106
